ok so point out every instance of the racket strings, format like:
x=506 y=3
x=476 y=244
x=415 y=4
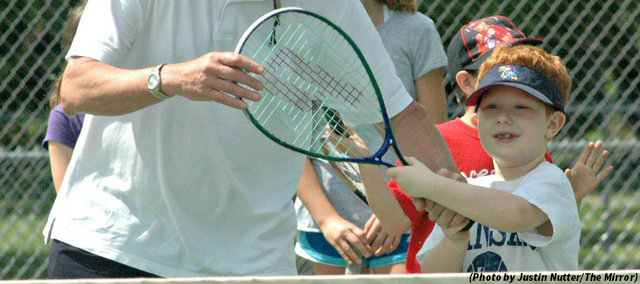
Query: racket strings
x=309 y=68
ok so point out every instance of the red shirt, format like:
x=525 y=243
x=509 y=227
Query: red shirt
x=472 y=162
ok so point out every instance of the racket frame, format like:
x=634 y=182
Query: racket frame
x=389 y=139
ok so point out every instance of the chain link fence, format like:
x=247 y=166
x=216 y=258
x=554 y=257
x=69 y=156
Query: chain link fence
x=598 y=40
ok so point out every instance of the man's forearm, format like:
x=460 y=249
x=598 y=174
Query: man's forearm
x=418 y=137
x=93 y=87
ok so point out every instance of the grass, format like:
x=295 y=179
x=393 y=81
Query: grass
x=613 y=243
x=23 y=254
x=610 y=232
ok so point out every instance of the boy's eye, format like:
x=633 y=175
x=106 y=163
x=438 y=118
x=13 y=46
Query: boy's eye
x=521 y=107
x=491 y=106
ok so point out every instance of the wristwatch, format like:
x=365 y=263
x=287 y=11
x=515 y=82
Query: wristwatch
x=153 y=83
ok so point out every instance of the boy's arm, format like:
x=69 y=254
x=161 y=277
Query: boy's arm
x=340 y=233
x=500 y=210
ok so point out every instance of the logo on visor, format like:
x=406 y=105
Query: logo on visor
x=508 y=72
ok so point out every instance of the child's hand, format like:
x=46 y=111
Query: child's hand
x=379 y=240
x=414 y=178
x=455 y=234
x=450 y=222
x=443 y=216
x=350 y=242
x=584 y=176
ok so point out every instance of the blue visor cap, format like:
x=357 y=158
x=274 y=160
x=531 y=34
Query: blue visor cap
x=520 y=77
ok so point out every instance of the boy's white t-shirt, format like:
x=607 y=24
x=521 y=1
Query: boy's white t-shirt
x=492 y=250
x=184 y=188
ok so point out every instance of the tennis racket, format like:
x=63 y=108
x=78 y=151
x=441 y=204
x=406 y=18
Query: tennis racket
x=348 y=172
x=311 y=67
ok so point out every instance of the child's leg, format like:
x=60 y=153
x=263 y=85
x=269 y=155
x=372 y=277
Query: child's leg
x=396 y=268
x=323 y=269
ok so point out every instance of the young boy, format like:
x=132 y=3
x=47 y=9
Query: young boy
x=526 y=214
x=468 y=49
x=466 y=52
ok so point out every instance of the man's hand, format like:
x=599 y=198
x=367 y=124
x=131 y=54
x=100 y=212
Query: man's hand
x=350 y=242
x=215 y=76
x=379 y=240
x=584 y=175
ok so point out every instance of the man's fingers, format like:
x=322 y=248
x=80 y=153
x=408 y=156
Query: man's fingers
x=222 y=98
x=240 y=61
x=232 y=88
x=238 y=76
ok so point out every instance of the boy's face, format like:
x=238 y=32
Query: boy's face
x=512 y=126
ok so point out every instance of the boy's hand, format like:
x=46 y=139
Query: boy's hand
x=444 y=217
x=350 y=242
x=584 y=176
x=413 y=178
x=379 y=240
x=422 y=203
x=456 y=235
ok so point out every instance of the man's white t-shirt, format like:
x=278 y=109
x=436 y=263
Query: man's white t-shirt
x=184 y=188
x=492 y=250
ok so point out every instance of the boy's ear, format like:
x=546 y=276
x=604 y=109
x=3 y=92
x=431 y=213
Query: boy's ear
x=555 y=122
x=466 y=82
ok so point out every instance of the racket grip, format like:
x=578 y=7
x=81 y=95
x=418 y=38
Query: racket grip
x=353 y=269
x=468 y=226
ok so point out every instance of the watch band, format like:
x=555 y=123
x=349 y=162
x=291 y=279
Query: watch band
x=156 y=92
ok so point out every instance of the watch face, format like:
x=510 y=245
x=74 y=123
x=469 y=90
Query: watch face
x=153 y=81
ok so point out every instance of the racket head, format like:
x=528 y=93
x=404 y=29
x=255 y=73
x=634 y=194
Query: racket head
x=312 y=66
x=349 y=172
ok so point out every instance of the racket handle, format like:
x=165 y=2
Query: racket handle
x=468 y=226
x=353 y=269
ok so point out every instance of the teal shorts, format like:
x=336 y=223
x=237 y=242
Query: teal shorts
x=314 y=247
